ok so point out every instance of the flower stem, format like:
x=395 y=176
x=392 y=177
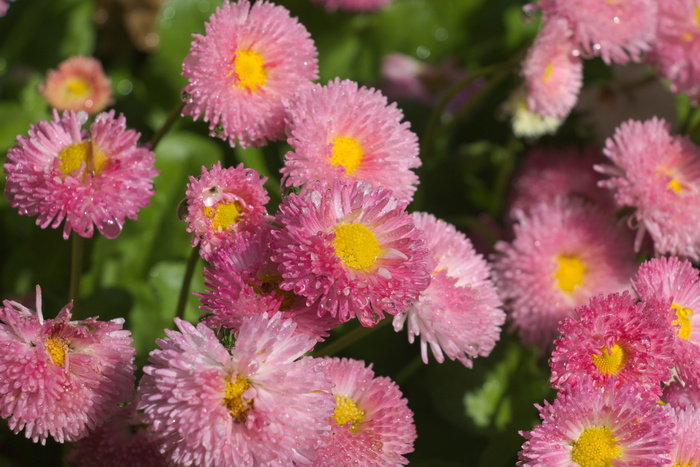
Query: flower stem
x=350 y=338
x=186 y=281
x=76 y=265
x=167 y=125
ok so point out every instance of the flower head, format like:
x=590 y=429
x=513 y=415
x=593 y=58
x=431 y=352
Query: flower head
x=79 y=83
x=371 y=423
x=659 y=175
x=223 y=202
x=686 y=446
x=89 y=179
x=262 y=402
x=61 y=378
x=458 y=313
x=351 y=250
x=344 y=131
x=677 y=394
x=250 y=61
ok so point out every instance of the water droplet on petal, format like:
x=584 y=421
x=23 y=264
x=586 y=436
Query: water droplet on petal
x=110 y=228
x=182 y=210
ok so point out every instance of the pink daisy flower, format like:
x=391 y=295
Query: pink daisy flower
x=353 y=6
x=676 y=282
x=677 y=46
x=546 y=173
x=342 y=131
x=4 y=5
x=659 y=175
x=617 y=31
x=262 y=402
x=250 y=61
x=686 y=448
x=371 y=423
x=562 y=254
x=94 y=179
x=553 y=73
x=593 y=425
x=79 y=83
x=61 y=378
x=677 y=394
x=351 y=251
x=223 y=202
x=614 y=338
x=244 y=281
x=458 y=313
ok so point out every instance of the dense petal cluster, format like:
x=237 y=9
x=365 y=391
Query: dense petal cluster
x=344 y=131
x=458 y=315
x=79 y=83
x=686 y=446
x=262 y=402
x=371 y=423
x=677 y=394
x=251 y=59
x=89 y=179
x=61 y=378
x=659 y=175
x=351 y=250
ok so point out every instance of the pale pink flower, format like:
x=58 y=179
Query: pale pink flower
x=79 y=83
x=262 y=402
x=250 y=61
x=458 y=314
x=89 y=179
x=345 y=131
x=61 y=378
x=659 y=175
x=371 y=424
x=686 y=446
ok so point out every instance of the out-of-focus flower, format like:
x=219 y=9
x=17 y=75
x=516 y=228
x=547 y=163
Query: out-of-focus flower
x=344 y=131
x=61 y=378
x=351 y=250
x=677 y=394
x=686 y=446
x=262 y=403
x=4 y=5
x=89 y=179
x=371 y=424
x=79 y=83
x=251 y=60
x=458 y=314
x=525 y=122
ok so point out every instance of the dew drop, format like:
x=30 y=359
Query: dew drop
x=182 y=209
x=110 y=228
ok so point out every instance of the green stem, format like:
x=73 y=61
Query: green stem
x=186 y=281
x=409 y=370
x=167 y=125
x=350 y=338
x=76 y=265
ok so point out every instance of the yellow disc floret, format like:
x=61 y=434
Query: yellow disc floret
x=347 y=411
x=249 y=68
x=595 y=447
x=570 y=272
x=76 y=88
x=610 y=361
x=269 y=284
x=356 y=246
x=56 y=347
x=71 y=157
x=547 y=75
x=683 y=316
x=233 y=398
x=346 y=152
x=223 y=216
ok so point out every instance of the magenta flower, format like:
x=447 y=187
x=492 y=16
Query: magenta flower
x=371 y=424
x=676 y=282
x=658 y=175
x=594 y=425
x=344 y=131
x=351 y=251
x=562 y=254
x=553 y=73
x=61 y=378
x=94 y=179
x=79 y=83
x=458 y=313
x=222 y=202
x=262 y=402
x=250 y=61
x=615 y=339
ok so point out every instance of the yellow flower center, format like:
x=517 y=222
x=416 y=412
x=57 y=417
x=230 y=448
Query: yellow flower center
x=547 y=75
x=249 y=68
x=610 y=361
x=346 y=152
x=269 y=284
x=223 y=216
x=674 y=184
x=71 y=157
x=596 y=447
x=356 y=246
x=56 y=347
x=77 y=88
x=683 y=316
x=347 y=411
x=233 y=398
x=681 y=464
x=570 y=272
